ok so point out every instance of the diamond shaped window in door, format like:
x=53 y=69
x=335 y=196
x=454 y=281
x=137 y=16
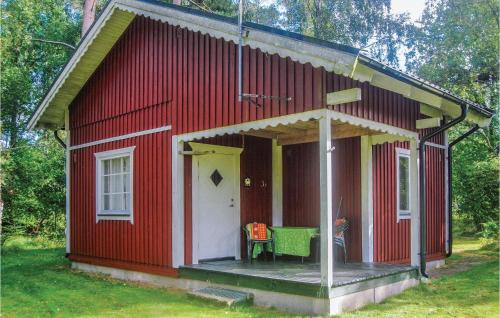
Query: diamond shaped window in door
x=216 y=177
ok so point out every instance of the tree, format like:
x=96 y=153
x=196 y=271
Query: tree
x=360 y=23
x=456 y=46
x=32 y=176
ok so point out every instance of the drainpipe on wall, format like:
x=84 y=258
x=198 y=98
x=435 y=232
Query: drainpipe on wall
x=450 y=146
x=59 y=140
x=423 y=209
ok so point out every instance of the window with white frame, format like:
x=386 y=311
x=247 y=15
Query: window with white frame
x=114 y=180
x=403 y=183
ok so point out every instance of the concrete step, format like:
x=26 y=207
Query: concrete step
x=228 y=296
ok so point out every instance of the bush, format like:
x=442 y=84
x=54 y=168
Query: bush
x=490 y=230
x=33 y=189
x=476 y=195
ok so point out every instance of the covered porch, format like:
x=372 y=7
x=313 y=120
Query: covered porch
x=338 y=148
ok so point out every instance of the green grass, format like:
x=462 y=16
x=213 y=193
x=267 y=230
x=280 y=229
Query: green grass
x=37 y=282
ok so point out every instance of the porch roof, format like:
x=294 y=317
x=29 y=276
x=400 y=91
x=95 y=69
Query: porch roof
x=303 y=127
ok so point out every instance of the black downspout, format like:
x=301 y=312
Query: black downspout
x=59 y=140
x=450 y=196
x=423 y=210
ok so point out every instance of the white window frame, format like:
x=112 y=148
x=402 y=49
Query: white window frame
x=106 y=155
x=403 y=214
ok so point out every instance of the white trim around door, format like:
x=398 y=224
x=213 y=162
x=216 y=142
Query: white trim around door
x=204 y=151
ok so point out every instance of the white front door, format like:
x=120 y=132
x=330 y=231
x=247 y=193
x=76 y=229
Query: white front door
x=216 y=212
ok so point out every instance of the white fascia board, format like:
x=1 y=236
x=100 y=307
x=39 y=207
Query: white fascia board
x=331 y=59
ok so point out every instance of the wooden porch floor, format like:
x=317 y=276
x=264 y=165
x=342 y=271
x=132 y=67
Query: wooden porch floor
x=301 y=273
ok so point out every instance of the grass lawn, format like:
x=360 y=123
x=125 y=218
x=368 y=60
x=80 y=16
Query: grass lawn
x=37 y=282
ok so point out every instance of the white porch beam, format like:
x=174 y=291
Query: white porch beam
x=430 y=111
x=177 y=203
x=428 y=122
x=326 y=224
x=414 y=204
x=366 y=199
x=344 y=96
x=277 y=167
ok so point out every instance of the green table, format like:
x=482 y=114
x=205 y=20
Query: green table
x=294 y=241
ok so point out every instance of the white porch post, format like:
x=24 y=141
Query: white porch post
x=277 y=167
x=326 y=220
x=177 y=203
x=366 y=199
x=68 y=181
x=414 y=204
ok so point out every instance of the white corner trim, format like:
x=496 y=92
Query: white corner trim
x=106 y=155
x=414 y=204
x=367 y=199
x=122 y=137
x=446 y=193
x=68 y=182
x=277 y=188
x=177 y=203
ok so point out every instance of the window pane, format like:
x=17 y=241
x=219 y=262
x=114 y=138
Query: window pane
x=116 y=165
x=404 y=193
x=105 y=184
x=106 y=167
x=116 y=183
x=105 y=202
x=126 y=201
x=126 y=164
x=126 y=183
x=117 y=202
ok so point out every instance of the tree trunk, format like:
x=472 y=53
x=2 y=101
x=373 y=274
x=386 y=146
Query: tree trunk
x=89 y=8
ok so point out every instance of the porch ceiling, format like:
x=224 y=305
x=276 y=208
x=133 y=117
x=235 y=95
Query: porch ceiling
x=308 y=131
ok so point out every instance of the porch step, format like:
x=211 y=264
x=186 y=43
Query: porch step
x=228 y=296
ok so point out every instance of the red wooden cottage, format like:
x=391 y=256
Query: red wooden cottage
x=165 y=164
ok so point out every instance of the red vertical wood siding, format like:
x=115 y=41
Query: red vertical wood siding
x=301 y=187
x=435 y=204
x=392 y=240
x=146 y=240
x=158 y=74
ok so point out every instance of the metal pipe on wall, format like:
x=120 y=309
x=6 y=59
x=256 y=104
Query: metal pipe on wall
x=450 y=187
x=240 y=52
x=423 y=208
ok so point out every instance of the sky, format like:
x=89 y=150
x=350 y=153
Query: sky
x=413 y=7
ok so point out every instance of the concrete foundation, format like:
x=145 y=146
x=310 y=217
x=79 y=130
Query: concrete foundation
x=436 y=264
x=267 y=299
